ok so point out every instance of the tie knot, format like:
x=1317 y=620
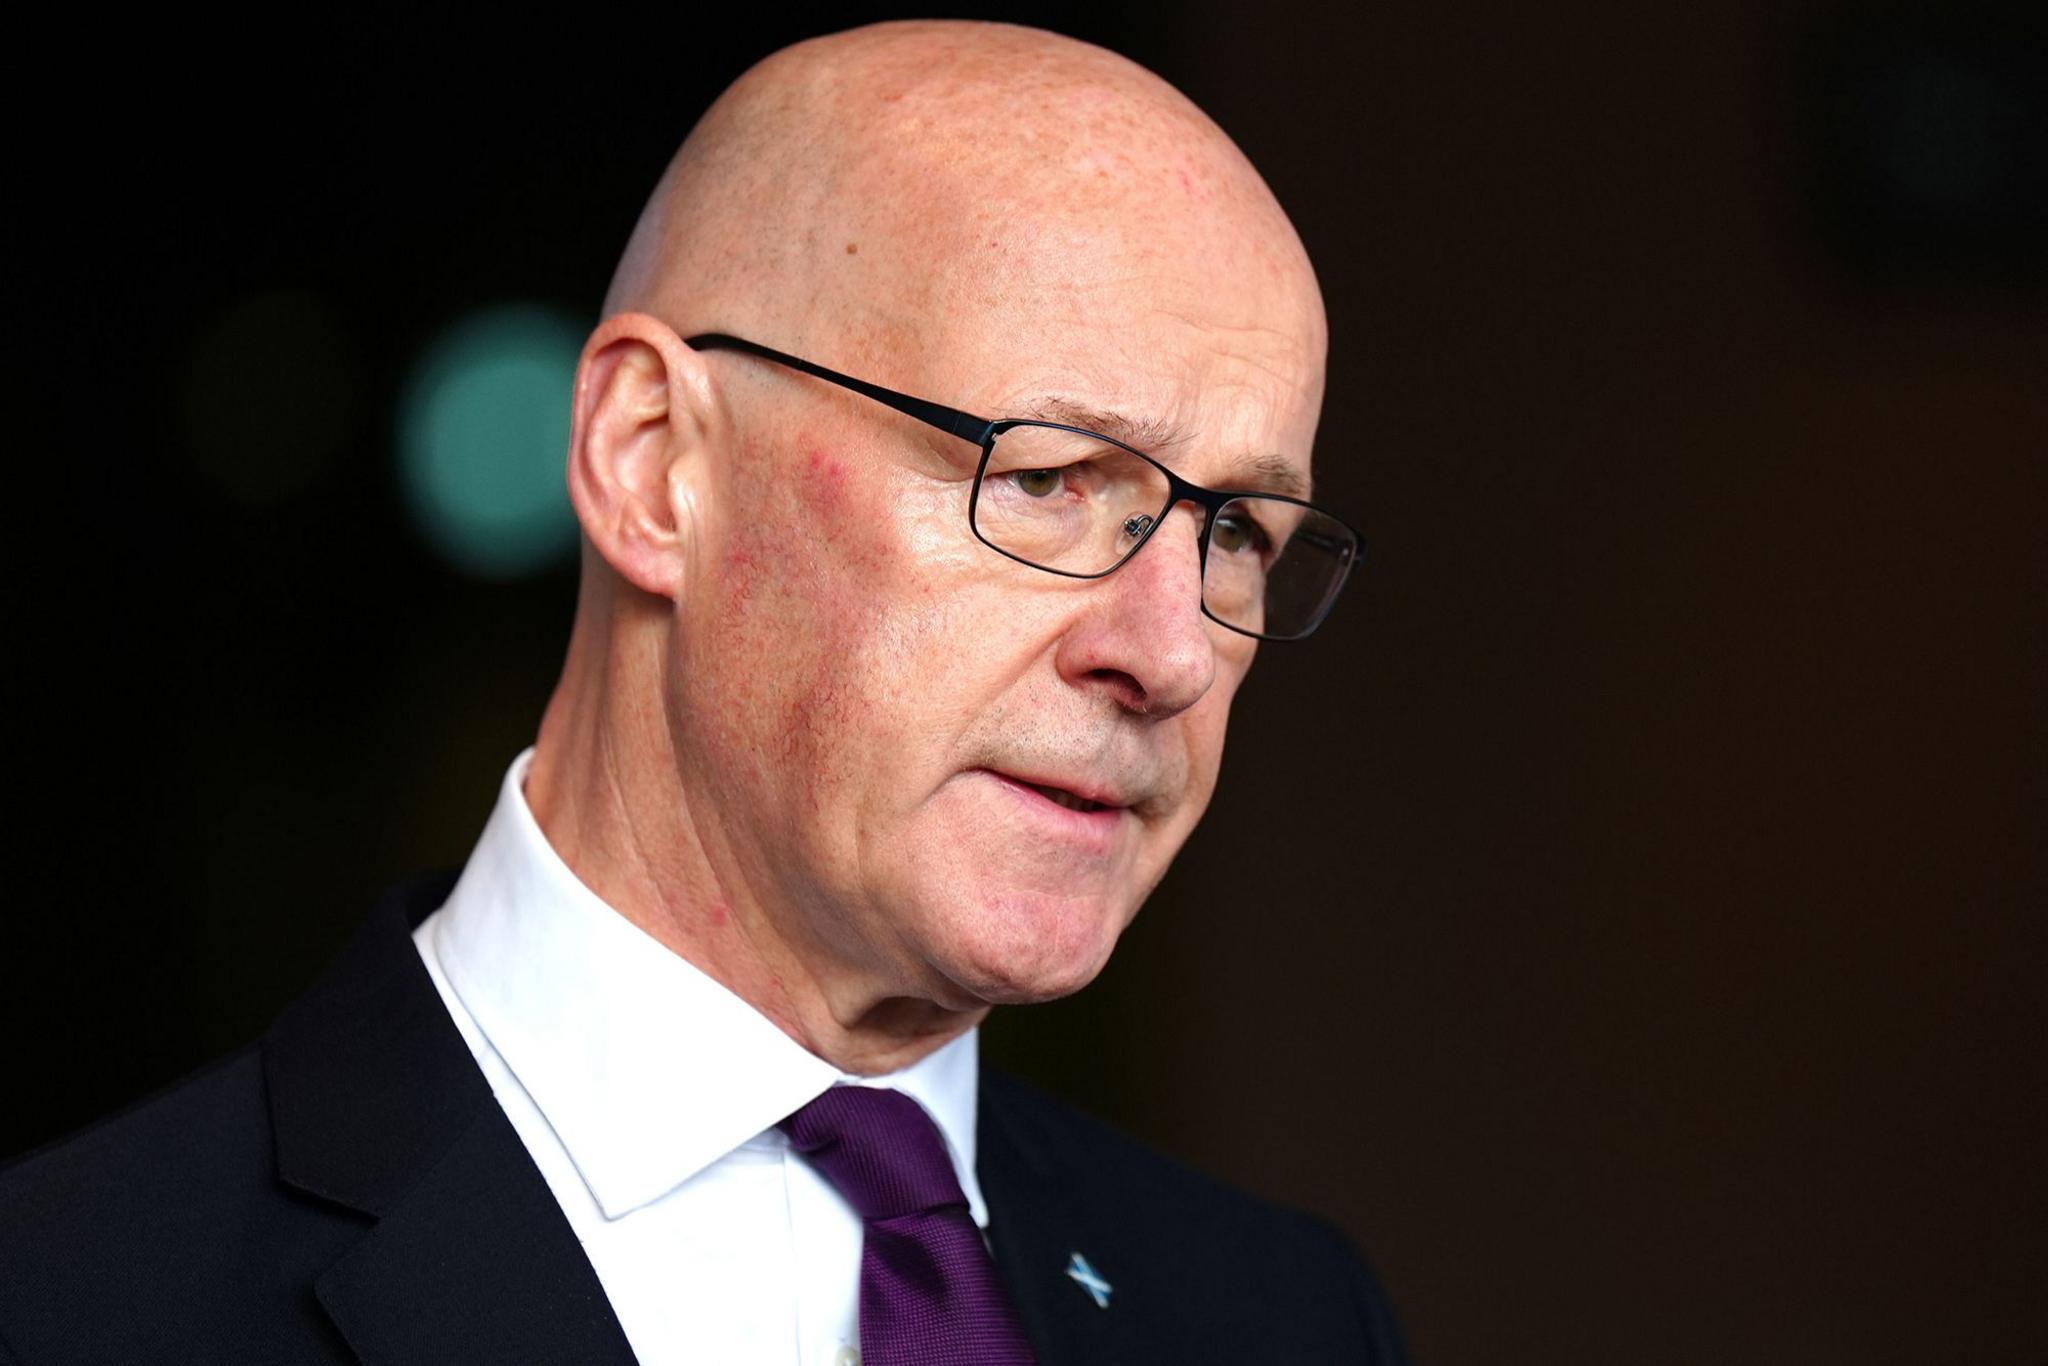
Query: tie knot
x=879 y=1149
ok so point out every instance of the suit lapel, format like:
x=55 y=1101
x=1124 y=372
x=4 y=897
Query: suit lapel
x=473 y=1264
x=1036 y=1225
x=378 y=1107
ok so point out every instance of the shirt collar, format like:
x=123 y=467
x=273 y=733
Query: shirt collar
x=646 y=1068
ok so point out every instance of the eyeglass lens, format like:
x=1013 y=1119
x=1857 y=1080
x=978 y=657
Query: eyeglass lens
x=1077 y=503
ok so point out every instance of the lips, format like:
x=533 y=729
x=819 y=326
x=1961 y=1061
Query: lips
x=1083 y=796
x=1069 y=800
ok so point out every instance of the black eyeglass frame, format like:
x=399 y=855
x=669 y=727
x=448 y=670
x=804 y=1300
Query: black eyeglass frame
x=983 y=432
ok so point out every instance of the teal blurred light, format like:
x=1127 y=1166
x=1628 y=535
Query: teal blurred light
x=483 y=436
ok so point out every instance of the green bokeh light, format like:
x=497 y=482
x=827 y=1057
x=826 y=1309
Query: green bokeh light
x=483 y=436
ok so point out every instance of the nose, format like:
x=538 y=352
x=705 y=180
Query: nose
x=1142 y=635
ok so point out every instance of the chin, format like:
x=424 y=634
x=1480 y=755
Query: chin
x=1030 y=948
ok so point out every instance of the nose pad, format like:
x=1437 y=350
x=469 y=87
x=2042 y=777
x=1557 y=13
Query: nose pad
x=1140 y=525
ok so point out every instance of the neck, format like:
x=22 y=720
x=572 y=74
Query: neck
x=606 y=790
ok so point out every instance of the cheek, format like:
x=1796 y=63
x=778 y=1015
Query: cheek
x=817 y=610
x=782 y=538
x=824 y=487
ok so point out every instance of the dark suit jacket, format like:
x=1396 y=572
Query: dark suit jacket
x=347 y=1189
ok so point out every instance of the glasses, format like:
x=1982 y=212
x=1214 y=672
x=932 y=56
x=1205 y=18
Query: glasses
x=1077 y=503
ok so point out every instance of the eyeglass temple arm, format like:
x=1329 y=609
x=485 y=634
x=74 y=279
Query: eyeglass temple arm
x=952 y=421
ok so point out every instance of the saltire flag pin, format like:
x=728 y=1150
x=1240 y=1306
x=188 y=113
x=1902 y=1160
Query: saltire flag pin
x=1089 y=1279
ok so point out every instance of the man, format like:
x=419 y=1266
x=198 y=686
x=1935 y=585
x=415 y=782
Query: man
x=881 y=706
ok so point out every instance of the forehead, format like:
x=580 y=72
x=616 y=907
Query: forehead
x=1122 y=259
x=1210 y=360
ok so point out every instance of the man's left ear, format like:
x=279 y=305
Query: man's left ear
x=646 y=411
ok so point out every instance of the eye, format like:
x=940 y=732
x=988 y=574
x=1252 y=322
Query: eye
x=1235 y=531
x=1037 y=483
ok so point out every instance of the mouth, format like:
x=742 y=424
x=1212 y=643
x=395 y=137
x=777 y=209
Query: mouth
x=1071 y=801
x=1089 y=825
x=1087 y=801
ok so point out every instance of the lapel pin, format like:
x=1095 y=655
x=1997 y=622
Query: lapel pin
x=1089 y=1279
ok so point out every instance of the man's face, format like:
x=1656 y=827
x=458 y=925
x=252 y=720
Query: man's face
x=890 y=723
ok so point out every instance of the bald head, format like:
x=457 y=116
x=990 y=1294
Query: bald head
x=874 y=190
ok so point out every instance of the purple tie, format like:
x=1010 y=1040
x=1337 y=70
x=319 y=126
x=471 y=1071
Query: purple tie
x=929 y=1295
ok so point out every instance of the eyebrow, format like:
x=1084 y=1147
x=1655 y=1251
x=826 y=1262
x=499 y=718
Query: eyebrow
x=1251 y=474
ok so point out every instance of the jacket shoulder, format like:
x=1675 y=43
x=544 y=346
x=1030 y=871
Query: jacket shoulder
x=180 y=1142
x=1249 y=1279
x=162 y=1225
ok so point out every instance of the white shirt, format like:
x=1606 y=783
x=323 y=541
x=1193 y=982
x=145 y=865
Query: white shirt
x=648 y=1095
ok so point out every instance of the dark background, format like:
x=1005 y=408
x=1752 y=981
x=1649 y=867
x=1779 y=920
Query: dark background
x=1624 y=918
